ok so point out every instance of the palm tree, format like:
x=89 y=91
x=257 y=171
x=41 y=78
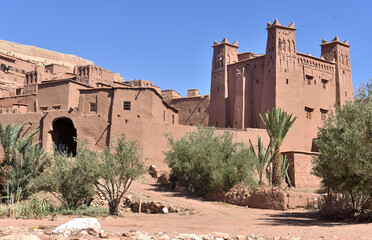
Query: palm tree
x=277 y=125
x=264 y=157
x=23 y=159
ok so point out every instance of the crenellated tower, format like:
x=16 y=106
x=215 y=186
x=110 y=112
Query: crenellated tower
x=280 y=64
x=224 y=53
x=339 y=53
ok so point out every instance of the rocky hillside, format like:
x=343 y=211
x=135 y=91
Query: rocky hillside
x=40 y=55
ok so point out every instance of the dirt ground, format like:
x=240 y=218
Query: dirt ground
x=210 y=217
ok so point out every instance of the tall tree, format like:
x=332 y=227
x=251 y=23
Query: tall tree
x=277 y=125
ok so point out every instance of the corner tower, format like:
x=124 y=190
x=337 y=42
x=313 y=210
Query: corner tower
x=224 y=53
x=339 y=53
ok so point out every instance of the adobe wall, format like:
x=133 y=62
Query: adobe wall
x=193 y=110
x=246 y=98
x=32 y=121
x=55 y=68
x=301 y=169
x=28 y=100
x=155 y=141
x=297 y=95
x=53 y=94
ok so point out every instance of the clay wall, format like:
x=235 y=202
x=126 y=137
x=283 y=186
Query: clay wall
x=7 y=61
x=245 y=81
x=32 y=121
x=296 y=91
x=74 y=93
x=53 y=95
x=25 y=100
x=192 y=110
x=24 y=66
x=55 y=68
x=300 y=169
x=108 y=76
x=168 y=95
x=154 y=141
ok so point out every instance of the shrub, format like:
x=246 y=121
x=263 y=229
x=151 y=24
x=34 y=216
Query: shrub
x=204 y=161
x=71 y=179
x=344 y=163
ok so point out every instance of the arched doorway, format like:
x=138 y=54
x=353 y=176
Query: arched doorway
x=63 y=135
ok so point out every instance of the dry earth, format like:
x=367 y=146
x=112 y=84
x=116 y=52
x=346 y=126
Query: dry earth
x=209 y=217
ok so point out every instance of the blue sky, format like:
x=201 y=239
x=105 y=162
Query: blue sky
x=169 y=42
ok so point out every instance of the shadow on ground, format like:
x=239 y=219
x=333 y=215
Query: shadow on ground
x=303 y=219
x=169 y=192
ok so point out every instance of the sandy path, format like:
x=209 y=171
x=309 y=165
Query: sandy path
x=218 y=217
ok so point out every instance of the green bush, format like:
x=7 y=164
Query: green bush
x=204 y=161
x=344 y=163
x=70 y=179
x=120 y=164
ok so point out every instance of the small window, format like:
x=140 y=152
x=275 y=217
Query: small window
x=286 y=81
x=172 y=118
x=93 y=107
x=199 y=110
x=126 y=105
x=189 y=110
x=218 y=88
x=309 y=78
x=164 y=116
x=257 y=81
x=216 y=124
x=323 y=114
x=18 y=91
x=57 y=107
x=345 y=94
x=309 y=112
x=43 y=109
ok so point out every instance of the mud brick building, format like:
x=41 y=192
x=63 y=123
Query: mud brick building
x=64 y=96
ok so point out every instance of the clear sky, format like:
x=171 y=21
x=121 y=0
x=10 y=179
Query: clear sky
x=169 y=42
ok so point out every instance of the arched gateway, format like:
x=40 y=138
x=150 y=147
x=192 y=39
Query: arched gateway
x=63 y=135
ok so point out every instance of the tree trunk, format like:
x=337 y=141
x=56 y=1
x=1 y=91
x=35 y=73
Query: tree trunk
x=114 y=207
x=276 y=171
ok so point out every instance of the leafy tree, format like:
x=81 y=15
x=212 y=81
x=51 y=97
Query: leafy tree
x=119 y=166
x=277 y=125
x=204 y=161
x=345 y=149
x=264 y=157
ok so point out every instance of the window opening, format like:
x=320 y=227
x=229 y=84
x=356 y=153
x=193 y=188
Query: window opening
x=93 y=107
x=126 y=105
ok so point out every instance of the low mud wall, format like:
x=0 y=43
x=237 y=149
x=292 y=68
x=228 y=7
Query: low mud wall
x=268 y=199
